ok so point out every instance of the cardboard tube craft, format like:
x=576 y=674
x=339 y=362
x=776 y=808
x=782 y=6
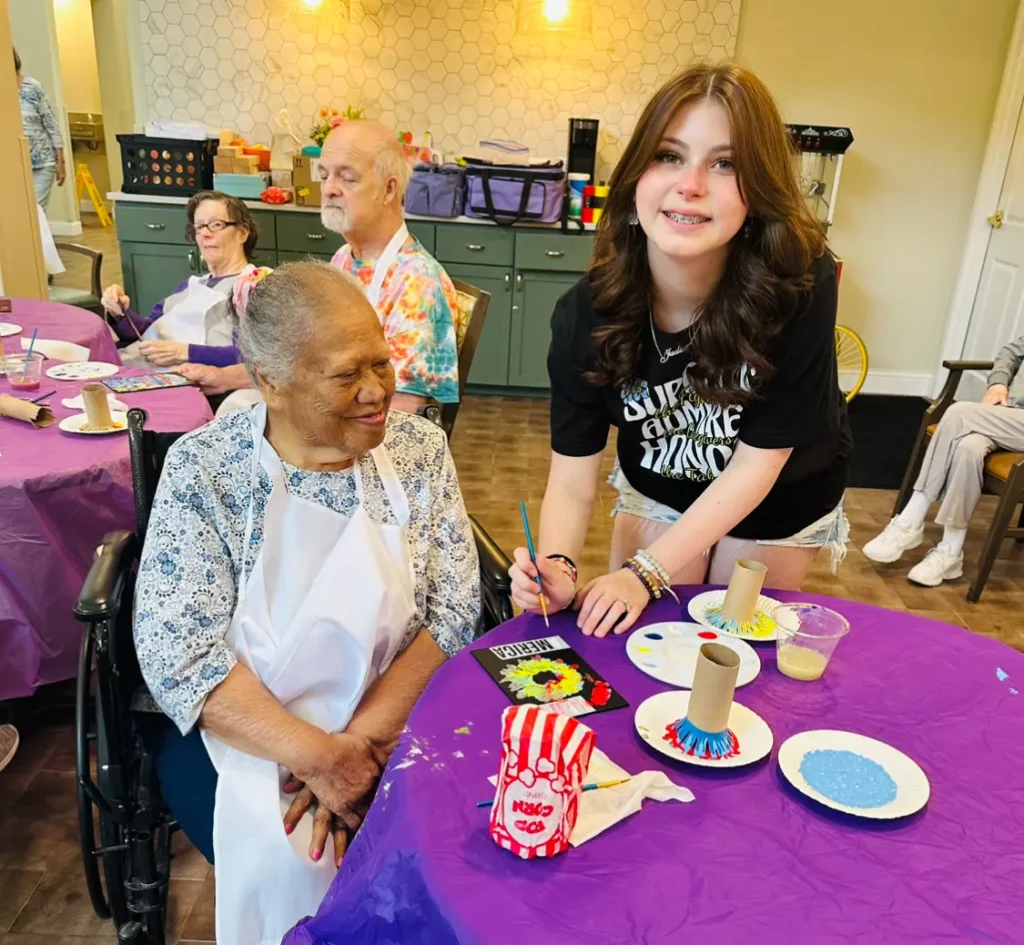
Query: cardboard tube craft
x=704 y=732
x=739 y=613
x=97 y=407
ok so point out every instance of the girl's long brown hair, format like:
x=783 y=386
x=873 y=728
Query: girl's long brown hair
x=769 y=263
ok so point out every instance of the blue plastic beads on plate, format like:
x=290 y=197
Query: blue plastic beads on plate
x=848 y=778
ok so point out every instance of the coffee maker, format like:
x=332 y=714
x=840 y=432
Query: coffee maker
x=582 y=146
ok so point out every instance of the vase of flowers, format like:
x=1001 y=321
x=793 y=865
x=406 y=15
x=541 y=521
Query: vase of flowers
x=329 y=118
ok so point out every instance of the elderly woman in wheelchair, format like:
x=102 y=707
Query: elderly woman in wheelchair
x=307 y=566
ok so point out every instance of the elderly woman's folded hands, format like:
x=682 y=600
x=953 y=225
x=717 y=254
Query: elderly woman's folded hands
x=340 y=785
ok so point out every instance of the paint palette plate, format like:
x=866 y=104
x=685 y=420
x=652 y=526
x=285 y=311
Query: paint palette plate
x=709 y=600
x=854 y=774
x=656 y=714
x=82 y=370
x=668 y=652
x=9 y=328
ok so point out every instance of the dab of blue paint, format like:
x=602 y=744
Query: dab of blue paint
x=1001 y=675
x=848 y=778
x=653 y=636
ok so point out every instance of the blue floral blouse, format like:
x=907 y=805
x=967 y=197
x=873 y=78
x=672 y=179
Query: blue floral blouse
x=190 y=571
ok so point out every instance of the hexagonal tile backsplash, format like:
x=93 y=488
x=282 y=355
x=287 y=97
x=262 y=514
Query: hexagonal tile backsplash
x=455 y=68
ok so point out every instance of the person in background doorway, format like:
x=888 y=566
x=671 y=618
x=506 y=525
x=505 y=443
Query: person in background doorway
x=363 y=175
x=952 y=472
x=705 y=332
x=46 y=147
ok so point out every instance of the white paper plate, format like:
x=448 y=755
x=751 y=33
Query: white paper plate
x=908 y=780
x=9 y=328
x=77 y=421
x=82 y=370
x=668 y=652
x=702 y=603
x=657 y=713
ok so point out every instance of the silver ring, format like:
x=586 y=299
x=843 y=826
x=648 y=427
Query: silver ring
x=625 y=603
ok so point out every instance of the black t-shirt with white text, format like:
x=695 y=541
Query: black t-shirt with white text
x=672 y=444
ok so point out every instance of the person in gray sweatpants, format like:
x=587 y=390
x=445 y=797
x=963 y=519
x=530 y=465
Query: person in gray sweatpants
x=952 y=472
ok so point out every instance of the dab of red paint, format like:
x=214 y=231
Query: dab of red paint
x=708 y=635
x=600 y=694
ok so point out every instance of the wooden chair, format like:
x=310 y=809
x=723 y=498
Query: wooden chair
x=88 y=299
x=1003 y=476
x=473 y=303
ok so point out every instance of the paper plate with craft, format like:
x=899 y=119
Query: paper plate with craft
x=79 y=423
x=706 y=609
x=668 y=652
x=656 y=717
x=9 y=328
x=82 y=370
x=854 y=774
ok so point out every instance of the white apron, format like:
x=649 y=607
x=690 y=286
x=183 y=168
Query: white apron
x=193 y=320
x=324 y=610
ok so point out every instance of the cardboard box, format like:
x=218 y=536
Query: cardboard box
x=226 y=137
x=306 y=179
x=229 y=151
x=223 y=165
x=247 y=164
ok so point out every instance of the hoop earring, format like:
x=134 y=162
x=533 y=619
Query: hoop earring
x=634 y=220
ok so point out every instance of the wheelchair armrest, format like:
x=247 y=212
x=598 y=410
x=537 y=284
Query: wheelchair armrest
x=967 y=365
x=494 y=563
x=100 y=597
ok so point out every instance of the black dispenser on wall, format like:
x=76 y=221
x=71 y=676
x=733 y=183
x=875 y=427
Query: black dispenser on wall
x=582 y=146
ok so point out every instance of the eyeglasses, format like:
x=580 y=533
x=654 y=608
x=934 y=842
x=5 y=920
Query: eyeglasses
x=214 y=226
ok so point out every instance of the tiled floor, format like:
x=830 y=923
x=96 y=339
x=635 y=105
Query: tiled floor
x=501 y=452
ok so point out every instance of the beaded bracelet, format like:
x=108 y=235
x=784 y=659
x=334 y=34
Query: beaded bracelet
x=573 y=572
x=645 y=576
x=652 y=564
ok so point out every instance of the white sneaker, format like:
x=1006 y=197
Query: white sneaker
x=894 y=540
x=940 y=564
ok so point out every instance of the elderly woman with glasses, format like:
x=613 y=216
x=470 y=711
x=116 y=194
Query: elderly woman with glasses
x=195 y=322
x=308 y=566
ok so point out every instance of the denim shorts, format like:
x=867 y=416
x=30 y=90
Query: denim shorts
x=831 y=531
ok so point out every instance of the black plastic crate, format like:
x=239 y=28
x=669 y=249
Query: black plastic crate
x=168 y=166
x=825 y=139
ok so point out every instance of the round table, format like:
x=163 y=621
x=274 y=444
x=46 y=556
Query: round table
x=62 y=323
x=750 y=860
x=60 y=493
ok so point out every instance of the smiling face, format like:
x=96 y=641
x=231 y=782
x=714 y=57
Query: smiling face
x=688 y=200
x=342 y=384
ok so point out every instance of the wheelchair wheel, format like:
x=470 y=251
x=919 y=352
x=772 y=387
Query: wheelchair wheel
x=852 y=357
x=91 y=755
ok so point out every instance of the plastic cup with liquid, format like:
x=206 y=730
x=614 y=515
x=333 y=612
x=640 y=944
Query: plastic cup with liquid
x=807 y=637
x=24 y=370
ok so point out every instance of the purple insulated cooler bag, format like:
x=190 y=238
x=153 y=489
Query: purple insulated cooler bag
x=515 y=193
x=436 y=190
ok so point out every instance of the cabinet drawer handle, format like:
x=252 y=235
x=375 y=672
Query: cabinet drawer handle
x=508 y=282
x=314 y=236
x=156 y=226
x=519 y=281
x=475 y=247
x=555 y=253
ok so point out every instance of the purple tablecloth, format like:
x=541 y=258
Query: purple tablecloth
x=61 y=323
x=59 y=495
x=751 y=860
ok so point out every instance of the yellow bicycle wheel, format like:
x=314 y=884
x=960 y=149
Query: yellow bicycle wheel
x=853 y=361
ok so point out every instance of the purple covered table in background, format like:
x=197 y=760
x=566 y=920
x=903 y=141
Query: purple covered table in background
x=59 y=495
x=750 y=860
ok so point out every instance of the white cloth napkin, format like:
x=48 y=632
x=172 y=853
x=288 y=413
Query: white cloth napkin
x=60 y=350
x=604 y=807
x=78 y=403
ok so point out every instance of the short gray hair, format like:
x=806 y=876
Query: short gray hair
x=279 y=317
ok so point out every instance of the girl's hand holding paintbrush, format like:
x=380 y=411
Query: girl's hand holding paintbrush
x=555 y=578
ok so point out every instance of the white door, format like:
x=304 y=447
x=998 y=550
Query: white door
x=998 y=313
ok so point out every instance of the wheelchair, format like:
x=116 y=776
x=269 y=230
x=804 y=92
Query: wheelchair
x=128 y=870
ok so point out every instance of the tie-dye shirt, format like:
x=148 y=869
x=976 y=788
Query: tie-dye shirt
x=419 y=310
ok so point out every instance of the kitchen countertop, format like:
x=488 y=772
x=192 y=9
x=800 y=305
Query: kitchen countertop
x=121 y=197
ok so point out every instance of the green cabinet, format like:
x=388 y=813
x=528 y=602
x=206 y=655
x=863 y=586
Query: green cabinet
x=288 y=256
x=490 y=361
x=152 y=271
x=534 y=298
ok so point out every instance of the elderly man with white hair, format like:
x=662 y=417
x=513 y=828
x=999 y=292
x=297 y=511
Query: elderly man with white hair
x=363 y=175
x=308 y=565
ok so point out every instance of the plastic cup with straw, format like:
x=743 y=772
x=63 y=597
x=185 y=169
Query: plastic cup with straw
x=533 y=558
x=28 y=354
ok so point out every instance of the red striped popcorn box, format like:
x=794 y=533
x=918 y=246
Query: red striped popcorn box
x=544 y=760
